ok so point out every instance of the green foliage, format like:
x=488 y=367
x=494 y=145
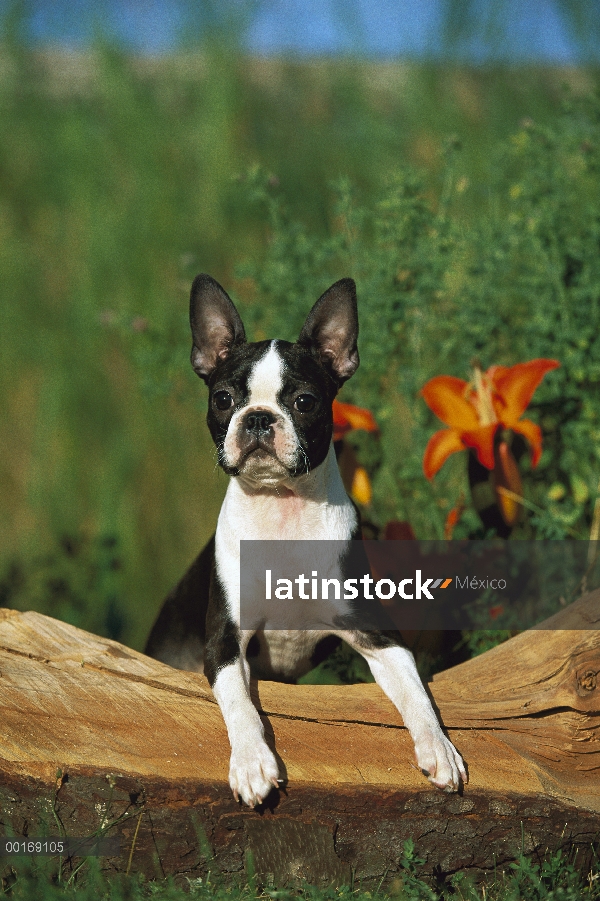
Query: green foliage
x=478 y=641
x=344 y=666
x=79 y=581
x=410 y=886
x=554 y=878
x=520 y=280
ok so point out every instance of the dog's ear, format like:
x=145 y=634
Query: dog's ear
x=216 y=325
x=331 y=330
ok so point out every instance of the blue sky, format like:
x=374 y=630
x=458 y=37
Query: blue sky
x=533 y=29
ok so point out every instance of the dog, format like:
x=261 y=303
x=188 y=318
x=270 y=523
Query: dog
x=270 y=416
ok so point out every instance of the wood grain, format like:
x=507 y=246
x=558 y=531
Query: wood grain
x=525 y=716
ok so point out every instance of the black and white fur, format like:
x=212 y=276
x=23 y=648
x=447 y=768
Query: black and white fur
x=271 y=419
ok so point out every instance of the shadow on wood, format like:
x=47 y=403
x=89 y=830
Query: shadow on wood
x=141 y=746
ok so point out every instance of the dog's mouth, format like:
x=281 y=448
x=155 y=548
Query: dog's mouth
x=265 y=457
x=257 y=449
x=258 y=460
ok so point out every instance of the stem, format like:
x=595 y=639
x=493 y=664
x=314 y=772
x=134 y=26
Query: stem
x=133 y=844
x=534 y=508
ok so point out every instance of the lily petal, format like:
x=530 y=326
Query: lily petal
x=347 y=417
x=439 y=447
x=481 y=440
x=514 y=387
x=445 y=395
x=533 y=433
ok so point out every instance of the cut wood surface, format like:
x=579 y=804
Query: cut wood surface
x=141 y=746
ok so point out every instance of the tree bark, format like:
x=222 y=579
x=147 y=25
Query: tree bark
x=96 y=735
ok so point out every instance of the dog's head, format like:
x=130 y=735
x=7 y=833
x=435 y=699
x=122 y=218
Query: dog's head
x=270 y=402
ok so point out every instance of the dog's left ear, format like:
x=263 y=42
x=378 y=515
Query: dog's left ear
x=216 y=325
x=331 y=330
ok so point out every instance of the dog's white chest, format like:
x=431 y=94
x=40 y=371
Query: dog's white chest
x=319 y=510
x=284 y=653
x=290 y=518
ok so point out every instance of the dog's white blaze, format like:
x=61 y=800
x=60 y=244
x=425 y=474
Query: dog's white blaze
x=266 y=379
x=264 y=383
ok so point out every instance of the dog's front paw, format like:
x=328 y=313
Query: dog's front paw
x=253 y=772
x=439 y=760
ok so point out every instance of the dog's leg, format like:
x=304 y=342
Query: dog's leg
x=178 y=635
x=253 y=770
x=395 y=672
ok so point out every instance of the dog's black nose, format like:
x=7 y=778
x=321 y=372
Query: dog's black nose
x=258 y=422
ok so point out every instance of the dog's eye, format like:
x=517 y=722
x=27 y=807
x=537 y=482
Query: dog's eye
x=305 y=403
x=222 y=400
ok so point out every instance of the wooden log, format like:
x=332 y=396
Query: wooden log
x=94 y=733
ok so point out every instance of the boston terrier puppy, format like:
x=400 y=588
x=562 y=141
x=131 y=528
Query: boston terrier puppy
x=270 y=416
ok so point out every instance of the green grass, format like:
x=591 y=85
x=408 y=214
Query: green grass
x=553 y=878
x=119 y=180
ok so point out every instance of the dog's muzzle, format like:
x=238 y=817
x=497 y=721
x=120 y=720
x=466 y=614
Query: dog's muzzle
x=256 y=433
x=258 y=423
x=260 y=442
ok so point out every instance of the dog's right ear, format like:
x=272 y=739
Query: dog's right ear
x=331 y=330
x=216 y=325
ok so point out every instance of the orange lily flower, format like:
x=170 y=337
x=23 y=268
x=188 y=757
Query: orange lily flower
x=347 y=417
x=475 y=410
